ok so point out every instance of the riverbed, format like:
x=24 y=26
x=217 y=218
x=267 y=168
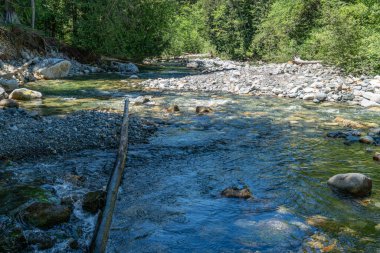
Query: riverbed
x=170 y=197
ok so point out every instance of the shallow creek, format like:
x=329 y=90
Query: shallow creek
x=170 y=198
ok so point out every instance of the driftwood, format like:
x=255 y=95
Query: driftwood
x=99 y=240
x=297 y=60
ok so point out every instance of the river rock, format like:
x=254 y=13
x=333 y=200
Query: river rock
x=355 y=184
x=46 y=215
x=372 y=97
x=94 y=201
x=12 y=238
x=321 y=96
x=41 y=239
x=8 y=103
x=368 y=103
x=173 y=108
x=25 y=94
x=367 y=140
x=203 y=109
x=235 y=192
x=348 y=123
x=9 y=84
x=139 y=100
x=376 y=157
x=3 y=94
x=53 y=68
x=125 y=67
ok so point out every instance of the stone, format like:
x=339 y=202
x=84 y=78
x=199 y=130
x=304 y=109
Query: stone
x=46 y=215
x=8 y=103
x=192 y=65
x=372 y=97
x=348 y=123
x=234 y=192
x=94 y=201
x=367 y=140
x=9 y=84
x=140 y=100
x=321 y=96
x=134 y=77
x=368 y=103
x=12 y=238
x=41 y=239
x=53 y=69
x=309 y=96
x=73 y=244
x=376 y=157
x=173 y=108
x=3 y=94
x=25 y=94
x=203 y=109
x=355 y=184
x=126 y=67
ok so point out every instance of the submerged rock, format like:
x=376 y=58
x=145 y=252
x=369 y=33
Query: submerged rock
x=12 y=238
x=25 y=94
x=203 y=109
x=46 y=215
x=234 y=192
x=41 y=239
x=139 y=100
x=355 y=184
x=348 y=123
x=367 y=140
x=8 y=103
x=94 y=201
x=376 y=157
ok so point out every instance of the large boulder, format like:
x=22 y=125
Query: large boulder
x=125 y=67
x=9 y=84
x=53 y=69
x=8 y=103
x=25 y=94
x=46 y=215
x=3 y=94
x=355 y=184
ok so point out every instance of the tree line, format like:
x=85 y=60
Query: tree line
x=340 y=32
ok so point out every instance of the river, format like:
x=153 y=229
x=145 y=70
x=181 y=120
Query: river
x=170 y=197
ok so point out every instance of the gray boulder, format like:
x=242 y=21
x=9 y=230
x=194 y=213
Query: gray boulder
x=9 y=84
x=53 y=69
x=25 y=94
x=126 y=67
x=355 y=184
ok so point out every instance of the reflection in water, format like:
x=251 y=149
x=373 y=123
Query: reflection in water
x=170 y=199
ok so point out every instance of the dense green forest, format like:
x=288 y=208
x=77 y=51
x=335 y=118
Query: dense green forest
x=340 y=32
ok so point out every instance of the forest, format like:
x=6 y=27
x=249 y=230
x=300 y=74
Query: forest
x=344 y=33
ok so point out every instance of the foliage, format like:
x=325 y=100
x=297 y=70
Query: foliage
x=188 y=31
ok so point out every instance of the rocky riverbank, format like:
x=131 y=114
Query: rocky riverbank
x=314 y=82
x=25 y=134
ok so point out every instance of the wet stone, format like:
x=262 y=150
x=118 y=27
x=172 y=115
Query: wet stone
x=12 y=238
x=376 y=157
x=173 y=108
x=367 y=140
x=203 y=109
x=355 y=184
x=94 y=201
x=235 y=192
x=41 y=239
x=46 y=215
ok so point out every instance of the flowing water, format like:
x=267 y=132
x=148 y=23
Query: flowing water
x=170 y=198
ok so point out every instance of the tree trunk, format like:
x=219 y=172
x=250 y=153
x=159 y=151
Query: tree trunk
x=10 y=16
x=33 y=4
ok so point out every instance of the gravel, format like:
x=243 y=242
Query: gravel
x=24 y=134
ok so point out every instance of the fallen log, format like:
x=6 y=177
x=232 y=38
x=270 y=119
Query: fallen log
x=297 y=60
x=101 y=233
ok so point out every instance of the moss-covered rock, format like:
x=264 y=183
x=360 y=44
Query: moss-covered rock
x=94 y=201
x=46 y=215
